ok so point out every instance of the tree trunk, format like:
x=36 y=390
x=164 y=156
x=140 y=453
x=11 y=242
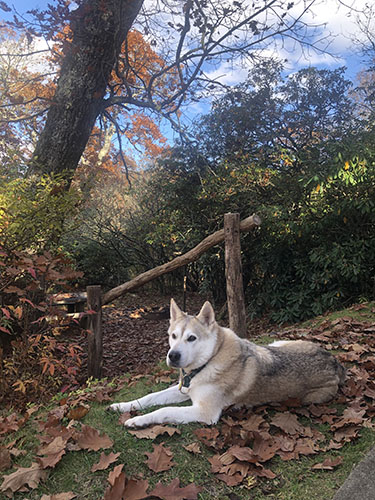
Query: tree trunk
x=233 y=275
x=95 y=343
x=99 y=29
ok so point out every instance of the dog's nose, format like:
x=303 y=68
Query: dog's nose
x=174 y=357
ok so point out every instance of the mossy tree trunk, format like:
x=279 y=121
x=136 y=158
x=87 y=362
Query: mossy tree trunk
x=99 y=29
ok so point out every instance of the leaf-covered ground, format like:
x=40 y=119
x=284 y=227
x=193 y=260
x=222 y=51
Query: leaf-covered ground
x=285 y=451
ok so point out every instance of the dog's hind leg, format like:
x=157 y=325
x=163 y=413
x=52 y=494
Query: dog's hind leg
x=321 y=394
x=167 y=396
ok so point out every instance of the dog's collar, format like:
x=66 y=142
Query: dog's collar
x=185 y=378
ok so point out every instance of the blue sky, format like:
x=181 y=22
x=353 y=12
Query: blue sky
x=338 y=19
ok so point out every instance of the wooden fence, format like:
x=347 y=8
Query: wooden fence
x=234 y=285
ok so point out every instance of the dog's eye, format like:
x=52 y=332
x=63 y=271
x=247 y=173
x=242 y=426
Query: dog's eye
x=191 y=338
x=173 y=336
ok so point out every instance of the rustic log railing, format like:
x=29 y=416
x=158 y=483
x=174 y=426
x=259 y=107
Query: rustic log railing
x=235 y=294
x=190 y=256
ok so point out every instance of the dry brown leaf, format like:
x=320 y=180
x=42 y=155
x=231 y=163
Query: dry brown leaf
x=253 y=423
x=78 y=412
x=306 y=446
x=350 y=416
x=53 y=452
x=346 y=434
x=265 y=449
x=105 y=461
x=173 y=491
x=207 y=436
x=116 y=491
x=90 y=439
x=136 y=489
x=55 y=446
x=230 y=479
x=30 y=476
x=260 y=471
x=10 y=423
x=5 y=459
x=16 y=452
x=193 y=448
x=288 y=422
x=216 y=464
x=240 y=453
x=155 y=431
x=328 y=464
x=60 y=496
x=102 y=396
x=113 y=475
x=160 y=459
x=124 y=417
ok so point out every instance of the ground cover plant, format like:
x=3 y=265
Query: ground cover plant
x=75 y=449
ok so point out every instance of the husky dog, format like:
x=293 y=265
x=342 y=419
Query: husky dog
x=218 y=369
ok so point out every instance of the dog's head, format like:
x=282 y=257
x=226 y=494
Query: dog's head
x=192 y=339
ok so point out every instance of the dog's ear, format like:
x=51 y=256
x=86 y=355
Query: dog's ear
x=206 y=314
x=175 y=311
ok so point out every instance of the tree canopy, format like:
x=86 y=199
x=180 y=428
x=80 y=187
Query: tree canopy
x=120 y=56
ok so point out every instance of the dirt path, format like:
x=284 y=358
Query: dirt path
x=135 y=333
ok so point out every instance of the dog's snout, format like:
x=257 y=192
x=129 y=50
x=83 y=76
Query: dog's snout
x=174 y=357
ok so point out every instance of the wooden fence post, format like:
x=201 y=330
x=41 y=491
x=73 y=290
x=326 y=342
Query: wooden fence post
x=95 y=346
x=233 y=274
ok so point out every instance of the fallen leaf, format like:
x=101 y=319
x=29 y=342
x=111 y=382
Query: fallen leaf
x=260 y=471
x=5 y=459
x=116 y=491
x=173 y=491
x=155 y=431
x=124 y=417
x=136 y=489
x=90 y=439
x=288 y=422
x=253 y=423
x=105 y=461
x=17 y=453
x=239 y=453
x=328 y=464
x=346 y=434
x=207 y=436
x=30 y=476
x=160 y=459
x=113 y=475
x=216 y=464
x=53 y=452
x=264 y=449
x=10 y=423
x=78 y=413
x=60 y=496
x=349 y=416
x=193 y=448
x=230 y=480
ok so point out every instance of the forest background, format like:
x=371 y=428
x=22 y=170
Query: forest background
x=91 y=179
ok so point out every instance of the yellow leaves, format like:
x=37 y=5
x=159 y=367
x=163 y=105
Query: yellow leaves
x=18 y=312
x=346 y=165
x=19 y=386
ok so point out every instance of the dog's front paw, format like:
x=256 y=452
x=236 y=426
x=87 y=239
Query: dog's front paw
x=120 y=407
x=141 y=421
